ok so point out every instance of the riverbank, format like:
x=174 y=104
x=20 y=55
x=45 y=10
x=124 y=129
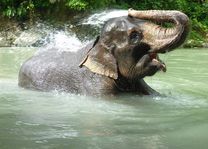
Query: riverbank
x=84 y=26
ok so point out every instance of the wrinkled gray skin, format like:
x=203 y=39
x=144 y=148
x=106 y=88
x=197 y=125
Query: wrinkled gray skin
x=117 y=61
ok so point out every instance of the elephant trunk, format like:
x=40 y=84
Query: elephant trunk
x=159 y=38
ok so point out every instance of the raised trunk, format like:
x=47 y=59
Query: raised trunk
x=159 y=38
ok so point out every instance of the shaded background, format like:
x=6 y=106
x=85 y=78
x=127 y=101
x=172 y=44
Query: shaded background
x=21 y=12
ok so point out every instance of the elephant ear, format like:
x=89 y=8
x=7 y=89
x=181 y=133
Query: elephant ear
x=101 y=61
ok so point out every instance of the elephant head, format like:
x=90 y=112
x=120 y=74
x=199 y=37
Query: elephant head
x=128 y=46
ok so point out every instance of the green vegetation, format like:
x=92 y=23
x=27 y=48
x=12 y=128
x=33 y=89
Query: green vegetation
x=197 y=10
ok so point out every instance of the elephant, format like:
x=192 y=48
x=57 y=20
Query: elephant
x=117 y=61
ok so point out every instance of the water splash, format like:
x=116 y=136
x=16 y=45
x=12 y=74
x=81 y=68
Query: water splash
x=69 y=36
x=64 y=41
x=67 y=39
x=98 y=19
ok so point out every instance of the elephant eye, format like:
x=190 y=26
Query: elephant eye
x=135 y=37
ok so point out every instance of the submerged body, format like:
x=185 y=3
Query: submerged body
x=59 y=70
x=117 y=61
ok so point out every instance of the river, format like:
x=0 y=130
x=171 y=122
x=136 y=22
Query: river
x=176 y=120
x=32 y=119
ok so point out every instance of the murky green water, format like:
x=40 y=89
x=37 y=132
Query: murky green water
x=38 y=120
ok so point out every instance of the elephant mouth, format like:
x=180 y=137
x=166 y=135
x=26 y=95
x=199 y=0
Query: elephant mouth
x=149 y=59
x=154 y=59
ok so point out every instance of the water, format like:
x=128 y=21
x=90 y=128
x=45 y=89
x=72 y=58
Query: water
x=97 y=19
x=176 y=120
x=31 y=119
